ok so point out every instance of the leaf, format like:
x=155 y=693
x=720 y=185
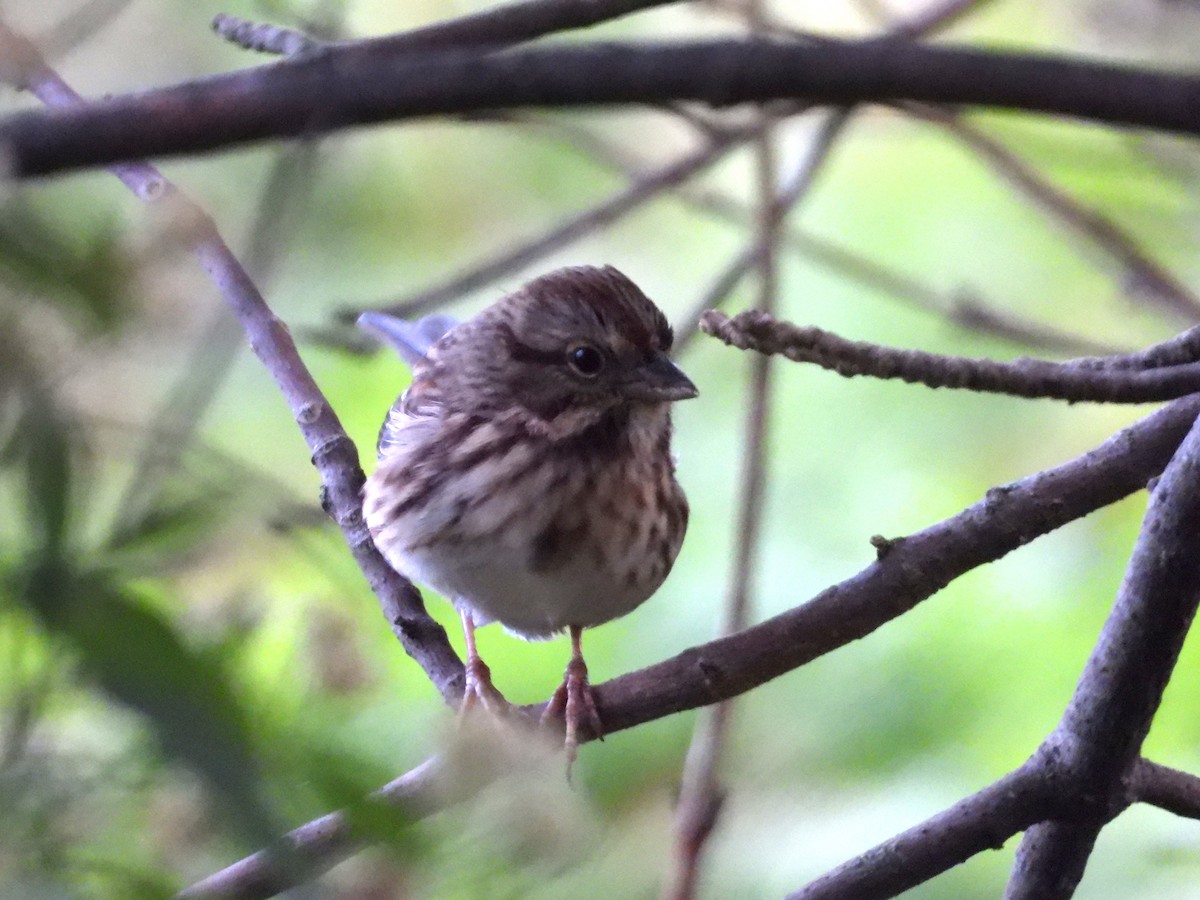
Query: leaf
x=166 y=528
x=136 y=656
x=87 y=274
x=48 y=473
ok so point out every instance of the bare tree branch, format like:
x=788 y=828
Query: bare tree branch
x=1179 y=350
x=753 y=330
x=983 y=821
x=333 y=453
x=263 y=37
x=909 y=570
x=359 y=83
x=700 y=793
x=322 y=843
x=1098 y=740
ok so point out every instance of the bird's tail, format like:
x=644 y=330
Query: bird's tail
x=411 y=340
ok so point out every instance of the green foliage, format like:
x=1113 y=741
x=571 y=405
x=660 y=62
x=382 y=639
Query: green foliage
x=184 y=675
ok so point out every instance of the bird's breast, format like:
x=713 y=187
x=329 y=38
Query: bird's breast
x=526 y=534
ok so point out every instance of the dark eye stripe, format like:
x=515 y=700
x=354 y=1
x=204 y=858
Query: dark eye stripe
x=522 y=352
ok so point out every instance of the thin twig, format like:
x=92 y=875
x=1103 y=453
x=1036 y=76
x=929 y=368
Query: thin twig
x=791 y=194
x=624 y=201
x=333 y=453
x=1177 y=351
x=701 y=793
x=321 y=843
x=1034 y=378
x=263 y=37
x=1143 y=276
x=965 y=308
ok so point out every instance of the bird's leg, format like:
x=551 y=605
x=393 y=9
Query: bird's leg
x=479 y=688
x=573 y=700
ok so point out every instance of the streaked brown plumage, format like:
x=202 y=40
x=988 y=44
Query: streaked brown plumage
x=526 y=473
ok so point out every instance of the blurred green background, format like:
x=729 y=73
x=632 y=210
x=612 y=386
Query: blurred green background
x=190 y=660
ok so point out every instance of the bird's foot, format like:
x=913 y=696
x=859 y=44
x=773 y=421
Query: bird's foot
x=479 y=690
x=573 y=701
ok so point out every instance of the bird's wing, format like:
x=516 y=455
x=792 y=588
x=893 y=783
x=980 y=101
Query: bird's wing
x=416 y=408
x=413 y=341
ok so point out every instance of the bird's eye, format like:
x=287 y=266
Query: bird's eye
x=586 y=360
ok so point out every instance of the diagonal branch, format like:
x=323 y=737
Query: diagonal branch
x=792 y=193
x=983 y=821
x=753 y=330
x=320 y=844
x=645 y=188
x=1097 y=742
x=366 y=82
x=1143 y=275
x=908 y=571
x=333 y=453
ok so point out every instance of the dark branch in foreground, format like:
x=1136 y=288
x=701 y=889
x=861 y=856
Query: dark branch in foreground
x=320 y=843
x=754 y=330
x=1096 y=744
x=985 y=821
x=342 y=85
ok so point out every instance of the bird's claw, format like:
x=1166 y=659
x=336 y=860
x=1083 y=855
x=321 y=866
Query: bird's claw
x=574 y=702
x=479 y=690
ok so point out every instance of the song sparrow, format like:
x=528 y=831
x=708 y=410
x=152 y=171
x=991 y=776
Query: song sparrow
x=526 y=473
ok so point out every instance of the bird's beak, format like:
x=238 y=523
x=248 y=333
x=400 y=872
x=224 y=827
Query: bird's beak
x=659 y=381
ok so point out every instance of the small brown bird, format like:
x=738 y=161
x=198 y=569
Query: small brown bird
x=526 y=473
